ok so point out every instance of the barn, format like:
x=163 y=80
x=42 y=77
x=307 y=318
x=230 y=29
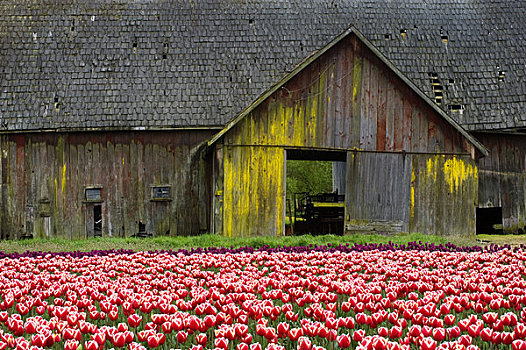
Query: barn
x=122 y=117
x=408 y=166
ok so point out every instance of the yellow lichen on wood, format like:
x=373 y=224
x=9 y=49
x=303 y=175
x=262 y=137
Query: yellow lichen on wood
x=313 y=120
x=228 y=192
x=357 y=79
x=432 y=167
x=456 y=172
x=63 y=182
x=254 y=185
x=412 y=200
x=299 y=126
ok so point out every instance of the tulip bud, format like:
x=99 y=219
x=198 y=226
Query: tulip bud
x=182 y=336
x=344 y=341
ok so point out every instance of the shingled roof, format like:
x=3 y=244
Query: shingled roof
x=116 y=64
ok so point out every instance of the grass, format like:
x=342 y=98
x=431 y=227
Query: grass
x=208 y=240
x=503 y=239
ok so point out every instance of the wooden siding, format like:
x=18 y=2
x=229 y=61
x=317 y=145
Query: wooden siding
x=502 y=180
x=253 y=185
x=44 y=177
x=347 y=99
x=378 y=192
x=443 y=194
x=393 y=192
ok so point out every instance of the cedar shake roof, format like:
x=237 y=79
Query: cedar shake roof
x=110 y=64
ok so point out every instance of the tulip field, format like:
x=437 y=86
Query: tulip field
x=387 y=296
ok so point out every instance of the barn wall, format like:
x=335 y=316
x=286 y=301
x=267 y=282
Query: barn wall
x=393 y=192
x=347 y=99
x=377 y=196
x=503 y=178
x=253 y=185
x=44 y=178
x=443 y=194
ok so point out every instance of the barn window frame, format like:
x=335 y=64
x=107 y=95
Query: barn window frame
x=161 y=193
x=97 y=199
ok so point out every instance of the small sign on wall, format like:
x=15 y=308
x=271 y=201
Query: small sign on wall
x=161 y=193
x=93 y=194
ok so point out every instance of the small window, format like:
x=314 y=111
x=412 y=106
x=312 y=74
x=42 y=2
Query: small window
x=161 y=193
x=94 y=194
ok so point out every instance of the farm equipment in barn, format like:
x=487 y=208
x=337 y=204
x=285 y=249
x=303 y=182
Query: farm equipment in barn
x=322 y=213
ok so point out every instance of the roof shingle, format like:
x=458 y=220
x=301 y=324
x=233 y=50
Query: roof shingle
x=71 y=64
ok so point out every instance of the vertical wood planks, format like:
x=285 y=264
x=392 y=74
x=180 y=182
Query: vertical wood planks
x=377 y=192
x=502 y=181
x=347 y=99
x=46 y=176
x=444 y=191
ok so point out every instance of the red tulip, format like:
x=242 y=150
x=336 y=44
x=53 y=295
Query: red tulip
x=242 y=346
x=30 y=327
x=181 y=337
x=36 y=340
x=490 y=317
x=100 y=338
x=465 y=340
x=71 y=344
x=509 y=319
x=283 y=329
x=128 y=336
x=166 y=327
x=453 y=332
x=134 y=320
x=518 y=345
x=119 y=340
x=91 y=345
x=22 y=309
x=358 y=335
x=331 y=323
x=72 y=319
x=428 y=344
x=449 y=320
x=113 y=315
x=498 y=325
x=255 y=346
x=464 y=325
x=439 y=334
x=395 y=332
x=221 y=343
x=153 y=341
x=520 y=331
x=72 y=334
x=94 y=315
x=344 y=341
x=507 y=338
x=241 y=330
x=201 y=339
x=475 y=329
x=415 y=330
x=304 y=343
x=383 y=332
x=486 y=334
x=295 y=333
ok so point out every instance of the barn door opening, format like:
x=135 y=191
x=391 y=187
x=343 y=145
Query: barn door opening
x=93 y=201
x=315 y=192
x=97 y=220
x=489 y=221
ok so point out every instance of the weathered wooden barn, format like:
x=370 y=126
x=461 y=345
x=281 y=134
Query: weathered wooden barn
x=85 y=184
x=165 y=117
x=409 y=167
